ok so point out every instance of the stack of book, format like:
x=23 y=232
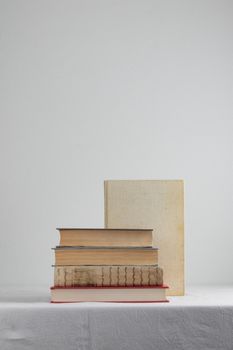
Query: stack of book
x=118 y=265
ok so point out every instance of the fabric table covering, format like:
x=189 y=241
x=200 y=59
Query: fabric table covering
x=203 y=319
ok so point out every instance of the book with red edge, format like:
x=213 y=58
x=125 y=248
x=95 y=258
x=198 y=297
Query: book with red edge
x=139 y=294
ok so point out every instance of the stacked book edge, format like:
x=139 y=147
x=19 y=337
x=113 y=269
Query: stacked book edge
x=118 y=265
x=149 y=294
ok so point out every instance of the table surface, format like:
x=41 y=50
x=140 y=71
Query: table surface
x=195 y=296
x=202 y=319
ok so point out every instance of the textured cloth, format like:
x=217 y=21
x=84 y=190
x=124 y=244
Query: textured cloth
x=203 y=319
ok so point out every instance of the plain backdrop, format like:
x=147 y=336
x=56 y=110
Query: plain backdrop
x=113 y=89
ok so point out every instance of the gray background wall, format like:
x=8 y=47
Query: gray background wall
x=93 y=90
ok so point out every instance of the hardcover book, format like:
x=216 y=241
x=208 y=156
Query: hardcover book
x=71 y=276
x=109 y=294
x=157 y=204
x=105 y=237
x=105 y=256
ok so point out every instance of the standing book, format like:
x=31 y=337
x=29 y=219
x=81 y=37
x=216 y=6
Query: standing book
x=157 y=204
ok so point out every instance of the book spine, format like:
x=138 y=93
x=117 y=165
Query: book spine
x=100 y=276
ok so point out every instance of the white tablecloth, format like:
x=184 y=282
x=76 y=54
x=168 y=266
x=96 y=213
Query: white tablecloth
x=203 y=319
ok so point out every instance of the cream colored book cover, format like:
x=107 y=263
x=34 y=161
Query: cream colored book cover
x=157 y=204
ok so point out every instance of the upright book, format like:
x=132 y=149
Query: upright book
x=157 y=204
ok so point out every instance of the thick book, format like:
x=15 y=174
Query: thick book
x=109 y=294
x=157 y=204
x=99 y=276
x=105 y=256
x=105 y=237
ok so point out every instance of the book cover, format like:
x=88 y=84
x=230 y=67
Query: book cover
x=157 y=204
